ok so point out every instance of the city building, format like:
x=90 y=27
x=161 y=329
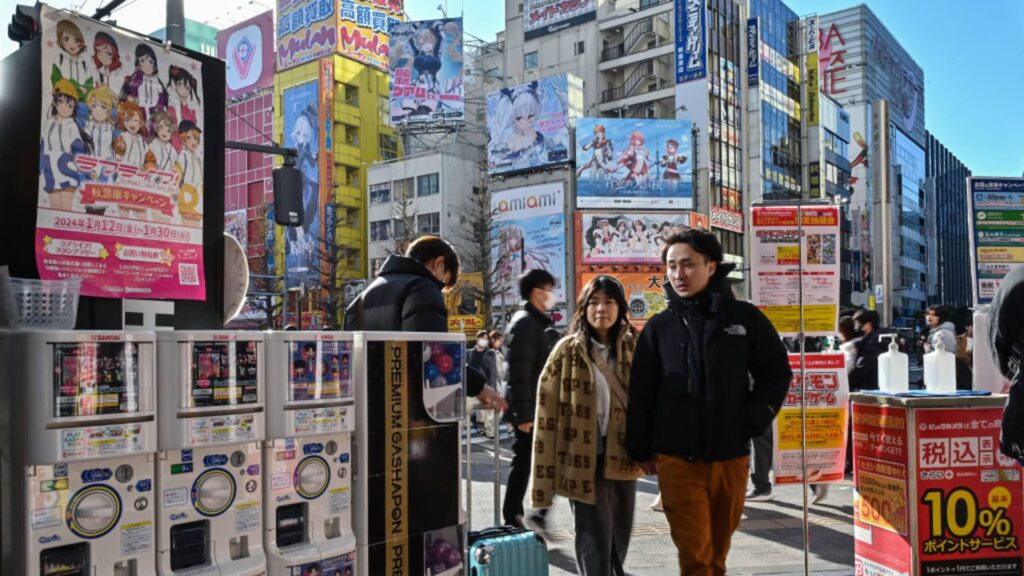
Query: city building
x=198 y=36
x=828 y=176
x=864 y=68
x=948 y=234
x=636 y=60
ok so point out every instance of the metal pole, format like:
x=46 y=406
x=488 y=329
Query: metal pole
x=803 y=392
x=176 y=22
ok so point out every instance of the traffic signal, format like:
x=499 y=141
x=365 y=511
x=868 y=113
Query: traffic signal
x=25 y=24
x=288 y=207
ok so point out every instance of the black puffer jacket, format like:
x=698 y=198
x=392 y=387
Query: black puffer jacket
x=705 y=400
x=1006 y=338
x=405 y=297
x=530 y=339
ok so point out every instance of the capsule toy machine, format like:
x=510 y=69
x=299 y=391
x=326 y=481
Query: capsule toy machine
x=209 y=473
x=411 y=400
x=78 y=441
x=307 y=479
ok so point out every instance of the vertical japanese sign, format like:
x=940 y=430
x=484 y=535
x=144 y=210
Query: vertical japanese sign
x=691 y=40
x=996 y=206
x=970 y=508
x=306 y=30
x=121 y=182
x=529 y=232
x=363 y=28
x=810 y=29
x=881 y=520
x=826 y=393
x=302 y=132
x=395 y=457
x=782 y=256
x=426 y=71
x=327 y=206
x=753 y=52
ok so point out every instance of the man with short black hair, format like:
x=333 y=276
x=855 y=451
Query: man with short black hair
x=530 y=339
x=864 y=375
x=709 y=374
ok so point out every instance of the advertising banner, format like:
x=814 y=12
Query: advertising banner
x=810 y=28
x=779 y=251
x=634 y=163
x=237 y=225
x=326 y=256
x=726 y=219
x=528 y=125
x=691 y=40
x=302 y=132
x=549 y=16
x=306 y=30
x=426 y=71
x=753 y=52
x=120 y=163
x=969 y=512
x=996 y=206
x=826 y=399
x=645 y=293
x=529 y=232
x=248 y=50
x=464 y=303
x=881 y=497
x=363 y=28
x=628 y=238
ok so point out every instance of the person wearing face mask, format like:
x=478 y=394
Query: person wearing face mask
x=709 y=374
x=494 y=368
x=406 y=297
x=530 y=339
x=475 y=359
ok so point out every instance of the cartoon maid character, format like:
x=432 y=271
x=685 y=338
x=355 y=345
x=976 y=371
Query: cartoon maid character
x=190 y=166
x=602 y=153
x=671 y=161
x=106 y=58
x=636 y=159
x=71 y=59
x=62 y=141
x=144 y=86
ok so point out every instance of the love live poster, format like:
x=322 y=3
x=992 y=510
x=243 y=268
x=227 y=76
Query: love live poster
x=120 y=201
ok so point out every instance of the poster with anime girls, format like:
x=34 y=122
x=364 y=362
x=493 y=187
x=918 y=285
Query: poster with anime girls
x=120 y=163
x=528 y=125
x=528 y=232
x=426 y=71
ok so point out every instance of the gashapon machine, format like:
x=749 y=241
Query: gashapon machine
x=409 y=519
x=78 y=438
x=209 y=474
x=307 y=479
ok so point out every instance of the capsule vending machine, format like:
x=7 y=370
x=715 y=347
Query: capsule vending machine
x=307 y=474
x=78 y=442
x=408 y=503
x=209 y=474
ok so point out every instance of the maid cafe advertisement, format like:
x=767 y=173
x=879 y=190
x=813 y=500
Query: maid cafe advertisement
x=120 y=163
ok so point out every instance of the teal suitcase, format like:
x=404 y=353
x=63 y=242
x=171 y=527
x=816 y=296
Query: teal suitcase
x=507 y=551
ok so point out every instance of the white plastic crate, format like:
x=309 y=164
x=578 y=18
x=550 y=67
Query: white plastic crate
x=26 y=303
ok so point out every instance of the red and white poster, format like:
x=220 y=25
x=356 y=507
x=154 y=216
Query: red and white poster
x=970 y=507
x=120 y=200
x=826 y=399
x=881 y=517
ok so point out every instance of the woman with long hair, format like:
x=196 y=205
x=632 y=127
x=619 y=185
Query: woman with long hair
x=580 y=426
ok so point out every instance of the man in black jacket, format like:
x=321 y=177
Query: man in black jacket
x=709 y=374
x=530 y=339
x=864 y=375
x=406 y=297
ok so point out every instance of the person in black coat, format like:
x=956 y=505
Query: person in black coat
x=864 y=375
x=1006 y=340
x=406 y=297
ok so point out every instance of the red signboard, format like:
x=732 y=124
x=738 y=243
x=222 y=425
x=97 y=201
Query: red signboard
x=970 y=506
x=881 y=491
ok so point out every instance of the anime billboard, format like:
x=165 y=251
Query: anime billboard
x=528 y=125
x=628 y=237
x=120 y=163
x=303 y=243
x=529 y=232
x=426 y=71
x=634 y=163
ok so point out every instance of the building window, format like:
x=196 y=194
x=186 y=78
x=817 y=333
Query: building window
x=398 y=228
x=380 y=193
x=380 y=230
x=426 y=185
x=388 y=147
x=530 y=60
x=579 y=47
x=403 y=189
x=429 y=223
x=492 y=75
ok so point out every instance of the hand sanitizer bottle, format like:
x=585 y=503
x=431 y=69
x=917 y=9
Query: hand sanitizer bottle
x=940 y=370
x=893 y=368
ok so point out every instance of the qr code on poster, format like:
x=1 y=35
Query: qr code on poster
x=188 y=274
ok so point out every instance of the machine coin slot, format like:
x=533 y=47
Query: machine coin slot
x=70 y=560
x=189 y=545
x=291 y=524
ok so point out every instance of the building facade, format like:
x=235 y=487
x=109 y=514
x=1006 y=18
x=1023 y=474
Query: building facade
x=949 y=236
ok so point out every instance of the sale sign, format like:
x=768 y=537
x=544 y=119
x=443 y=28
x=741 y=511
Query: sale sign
x=970 y=507
x=881 y=489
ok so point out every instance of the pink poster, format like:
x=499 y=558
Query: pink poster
x=120 y=163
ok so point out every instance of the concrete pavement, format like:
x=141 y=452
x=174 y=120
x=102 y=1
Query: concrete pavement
x=769 y=541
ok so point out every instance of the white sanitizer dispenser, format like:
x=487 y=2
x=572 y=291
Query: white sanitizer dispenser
x=893 y=368
x=940 y=370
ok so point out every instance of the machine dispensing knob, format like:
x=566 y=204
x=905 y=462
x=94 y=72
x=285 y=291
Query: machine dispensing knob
x=94 y=511
x=312 y=477
x=214 y=492
x=238 y=458
x=124 y=473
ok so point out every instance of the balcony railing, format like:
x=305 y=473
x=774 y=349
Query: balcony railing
x=638 y=32
x=612 y=52
x=643 y=71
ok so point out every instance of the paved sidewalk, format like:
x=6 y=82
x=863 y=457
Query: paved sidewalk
x=769 y=541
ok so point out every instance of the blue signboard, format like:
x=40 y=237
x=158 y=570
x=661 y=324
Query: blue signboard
x=753 y=52
x=997 y=232
x=691 y=40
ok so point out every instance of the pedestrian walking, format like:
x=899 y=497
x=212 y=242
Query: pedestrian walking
x=864 y=375
x=709 y=374
x=940 y=329
x=530 y=338
x=496 y=371
x=582 y=397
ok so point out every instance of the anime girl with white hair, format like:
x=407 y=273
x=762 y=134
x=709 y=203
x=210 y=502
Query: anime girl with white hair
x=515 y=140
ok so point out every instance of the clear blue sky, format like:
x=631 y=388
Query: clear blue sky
x=972 y=54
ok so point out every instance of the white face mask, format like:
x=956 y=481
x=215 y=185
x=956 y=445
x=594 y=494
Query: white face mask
x=481 y=343
x=549 y=300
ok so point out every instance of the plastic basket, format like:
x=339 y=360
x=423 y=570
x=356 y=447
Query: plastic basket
x=29 y=303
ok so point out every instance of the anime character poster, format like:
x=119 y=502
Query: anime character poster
x=634 y=163
x=303 y=243
x=627 y=238
x=426 y=71
x=120 y=163
x=528 y=125
x=236 y=223
x=529 y=232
